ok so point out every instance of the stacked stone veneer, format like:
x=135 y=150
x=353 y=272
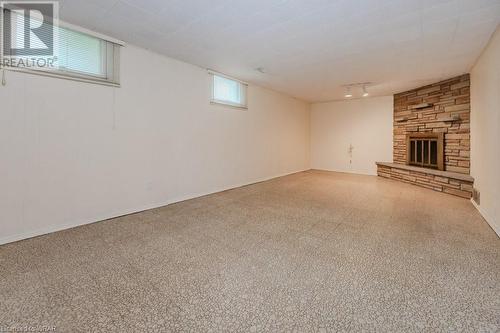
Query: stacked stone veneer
x=449 y=113
x=448 y=98
x=448 y=183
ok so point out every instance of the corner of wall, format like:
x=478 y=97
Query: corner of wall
x=309 y=119
x=495 y=225
x=485 y=130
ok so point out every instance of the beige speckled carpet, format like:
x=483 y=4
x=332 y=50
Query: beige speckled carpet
x=314 y=251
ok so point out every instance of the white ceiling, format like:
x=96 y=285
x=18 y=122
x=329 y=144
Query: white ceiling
x=308 y=48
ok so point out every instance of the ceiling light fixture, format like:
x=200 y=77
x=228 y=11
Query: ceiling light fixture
x=360 y=85
x=365 y=92
x=348 y=93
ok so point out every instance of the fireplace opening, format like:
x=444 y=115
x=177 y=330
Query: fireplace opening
x=425 y=150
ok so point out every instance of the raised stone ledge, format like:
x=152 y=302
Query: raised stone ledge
x=442 y=181
x=447 y=174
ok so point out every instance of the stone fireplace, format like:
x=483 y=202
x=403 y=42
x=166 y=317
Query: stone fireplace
x=432 y=137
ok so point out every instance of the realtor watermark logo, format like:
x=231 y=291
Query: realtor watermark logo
x=29 y=34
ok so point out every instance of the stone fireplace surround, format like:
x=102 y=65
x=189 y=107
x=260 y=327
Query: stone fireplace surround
x=443 y=107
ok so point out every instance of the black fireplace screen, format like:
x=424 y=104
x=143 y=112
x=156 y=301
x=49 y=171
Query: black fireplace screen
x=424 y=152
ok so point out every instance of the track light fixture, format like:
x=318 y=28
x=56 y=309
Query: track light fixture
x=348 y=93
x=361 y=85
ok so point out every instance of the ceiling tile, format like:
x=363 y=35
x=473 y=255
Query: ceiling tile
x=308 y=49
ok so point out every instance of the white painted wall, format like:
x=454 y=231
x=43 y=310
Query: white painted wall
x=73 y=153
x=364 y=123
x=485 y=130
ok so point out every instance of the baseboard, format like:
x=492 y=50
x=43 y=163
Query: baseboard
x=231 y=187
x=346 y=171
x=490 y=220
x=59 y=227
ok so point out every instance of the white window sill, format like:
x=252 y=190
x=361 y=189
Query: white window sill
x=65 y=76
x=232 y=105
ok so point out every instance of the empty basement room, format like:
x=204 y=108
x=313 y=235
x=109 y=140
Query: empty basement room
x=250 y=166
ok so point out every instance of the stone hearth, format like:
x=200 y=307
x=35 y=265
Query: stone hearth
x=442 y=181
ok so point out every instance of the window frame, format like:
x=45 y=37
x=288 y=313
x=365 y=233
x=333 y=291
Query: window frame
x=243 y=91
x=111 y=57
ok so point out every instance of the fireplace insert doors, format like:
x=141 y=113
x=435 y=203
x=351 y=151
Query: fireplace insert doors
x=425 y=150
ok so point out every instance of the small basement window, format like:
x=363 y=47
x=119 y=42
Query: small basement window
x=78 y=54
x=228 y=91
x=87 y=56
